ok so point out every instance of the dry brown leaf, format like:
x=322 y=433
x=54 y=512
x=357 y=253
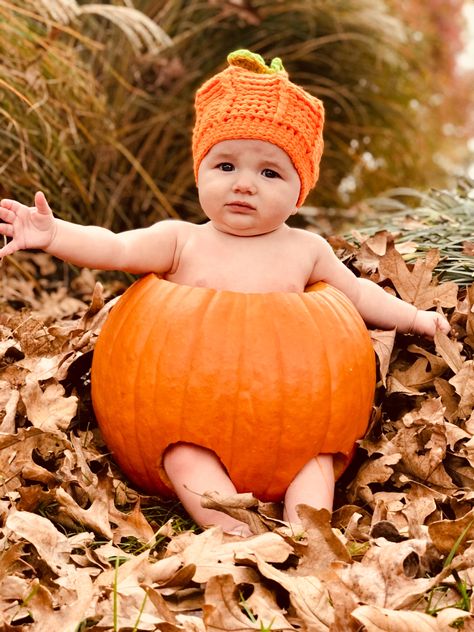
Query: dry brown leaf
x=383 y=342
x=238 y=506
x=52 y=546
x=224 y=612
x=420 y=504
x=372 y=472
x=423 y=449
x=187 y=623
x=129 y=524
x=9 y=398
x=65 y=616
x=463 y=382
x=16 y=456
x=48 y=409
x=387 y=575
x=321 y=546
x=450 y=350
x=417 y=376
x=468 y=248
x=309 y=596
x=450 y=400
x=377 y=619
x=96 y=517
x=213 y=556
x=416 y=286
x=445 y=533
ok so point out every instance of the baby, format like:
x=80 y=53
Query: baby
x=257 y=144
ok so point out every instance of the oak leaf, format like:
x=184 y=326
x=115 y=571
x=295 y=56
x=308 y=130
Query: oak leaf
x=52 y=545
x=213 y=556
x=416 y=286
x=320 y=546
x=446 y=533
x=387 y=575
x=48 y=410
x=376 y=619
x=309 y=596
x=224 y=611
x=383 y=342
x=463 y=382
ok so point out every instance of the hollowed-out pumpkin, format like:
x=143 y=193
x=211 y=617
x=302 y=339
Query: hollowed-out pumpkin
x=266 y=381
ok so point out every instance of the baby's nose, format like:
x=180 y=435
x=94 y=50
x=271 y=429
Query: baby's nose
x=244 y=183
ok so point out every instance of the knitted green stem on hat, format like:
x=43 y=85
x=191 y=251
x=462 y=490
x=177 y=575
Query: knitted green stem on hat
x=255 y=62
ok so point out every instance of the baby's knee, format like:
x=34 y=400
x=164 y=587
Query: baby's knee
x=180 y=456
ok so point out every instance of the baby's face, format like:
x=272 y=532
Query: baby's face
x=247 y=187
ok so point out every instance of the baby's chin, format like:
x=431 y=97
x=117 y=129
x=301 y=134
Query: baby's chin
x=246 y=232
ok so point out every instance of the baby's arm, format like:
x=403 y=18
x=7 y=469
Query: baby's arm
x=143 y=250
x=376 y=306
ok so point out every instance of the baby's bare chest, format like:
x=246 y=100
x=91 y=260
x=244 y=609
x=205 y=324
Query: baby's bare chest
x=243 y=265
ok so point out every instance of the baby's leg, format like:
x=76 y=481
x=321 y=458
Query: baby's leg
x=313 y=485
x=194 y=470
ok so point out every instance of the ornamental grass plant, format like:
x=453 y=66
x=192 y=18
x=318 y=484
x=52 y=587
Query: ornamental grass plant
x=437 y=219
x=97 y=98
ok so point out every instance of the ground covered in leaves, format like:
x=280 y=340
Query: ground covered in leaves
x=81 y=550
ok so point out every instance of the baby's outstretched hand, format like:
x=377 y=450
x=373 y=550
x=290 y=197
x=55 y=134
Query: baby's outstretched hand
x=28 y=227
x=428 y=323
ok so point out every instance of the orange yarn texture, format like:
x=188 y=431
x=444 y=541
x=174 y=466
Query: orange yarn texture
x=249 y=100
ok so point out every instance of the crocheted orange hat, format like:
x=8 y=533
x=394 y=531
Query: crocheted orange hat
x=254 y=101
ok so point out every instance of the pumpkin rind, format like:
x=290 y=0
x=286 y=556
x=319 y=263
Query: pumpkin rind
x=266 y=381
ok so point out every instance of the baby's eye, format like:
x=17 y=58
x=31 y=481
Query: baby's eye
x=270 y=173
x=225 y=166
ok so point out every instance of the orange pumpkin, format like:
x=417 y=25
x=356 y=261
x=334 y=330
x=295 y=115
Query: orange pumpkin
x=266 y=381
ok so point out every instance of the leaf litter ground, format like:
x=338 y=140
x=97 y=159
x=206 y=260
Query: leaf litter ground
x=83 y=550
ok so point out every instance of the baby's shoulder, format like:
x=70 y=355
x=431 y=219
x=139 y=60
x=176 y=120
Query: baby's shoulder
x=308 y=238
x=175 y=227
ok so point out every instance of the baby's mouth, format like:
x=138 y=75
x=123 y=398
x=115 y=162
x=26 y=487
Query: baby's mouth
x=239 y=206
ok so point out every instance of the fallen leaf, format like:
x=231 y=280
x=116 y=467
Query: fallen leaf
x=468 y=248
x=416 y=286
x=446 y=533
x=48 y=410
x=372 y=472
x=321 y=546
x=377 y=619
x=52 y=546
x=386 y=576
x=309 y=596
x=450 y=350
x=224 y=609
x=212 y=556
x=238 y=506
x=383 y=342
x=463 y=382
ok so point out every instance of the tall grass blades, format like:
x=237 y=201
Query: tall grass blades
x=97 y=99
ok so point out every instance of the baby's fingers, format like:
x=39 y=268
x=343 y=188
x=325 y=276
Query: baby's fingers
x=41 y=203
x=6 y=215
x=6 y=229
x=12 y=205
x=9 y=249
x=442 y=324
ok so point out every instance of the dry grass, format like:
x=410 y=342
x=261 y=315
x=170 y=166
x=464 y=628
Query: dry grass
x=97 y=98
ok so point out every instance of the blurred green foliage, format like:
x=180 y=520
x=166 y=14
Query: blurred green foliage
x=97 y=100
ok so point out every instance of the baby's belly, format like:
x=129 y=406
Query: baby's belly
x=265 y=380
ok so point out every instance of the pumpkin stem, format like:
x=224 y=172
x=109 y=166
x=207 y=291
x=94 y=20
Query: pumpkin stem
x=254 y=62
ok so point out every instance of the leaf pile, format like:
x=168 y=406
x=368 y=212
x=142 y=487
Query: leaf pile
x=82 y=551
